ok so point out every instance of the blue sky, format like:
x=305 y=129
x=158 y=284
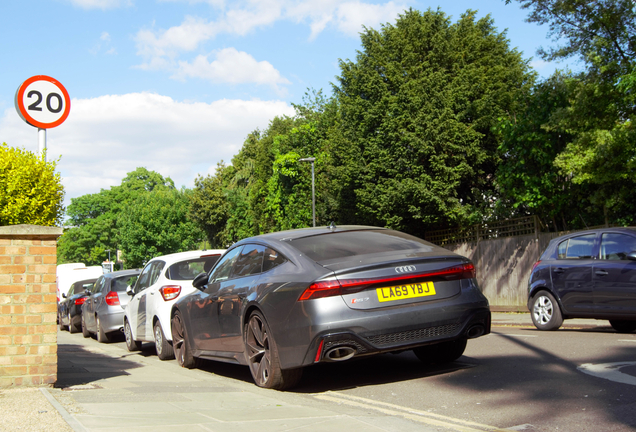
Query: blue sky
x=176 y=85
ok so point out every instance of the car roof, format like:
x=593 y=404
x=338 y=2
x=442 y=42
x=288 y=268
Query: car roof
x=308 y=232
x=631 y=230
x=118 y=273
x=181 y=256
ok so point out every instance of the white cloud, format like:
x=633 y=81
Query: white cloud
x=161 y=48
x=100 y=4
x=106 y=137
x=234 y=67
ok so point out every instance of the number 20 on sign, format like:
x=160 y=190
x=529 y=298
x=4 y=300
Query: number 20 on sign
x=42 y=102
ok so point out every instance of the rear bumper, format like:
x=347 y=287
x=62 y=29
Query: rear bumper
x=112 y=321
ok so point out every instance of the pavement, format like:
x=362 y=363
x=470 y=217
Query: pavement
x=103 y=387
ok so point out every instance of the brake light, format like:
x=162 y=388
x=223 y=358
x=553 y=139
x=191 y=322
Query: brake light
x=334 y=287
x=170 y=292
x=112 y=299
x=80 y=301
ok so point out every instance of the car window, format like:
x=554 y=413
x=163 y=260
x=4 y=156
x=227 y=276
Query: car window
x=97 y=287
x=249 y=262
x=144 y=278
x=121 y=283
x=272 y=259
x=331 y=246
x=188 y=269
x=616 y=246
x=156 y=271
x=580 y=247
x=224 y=267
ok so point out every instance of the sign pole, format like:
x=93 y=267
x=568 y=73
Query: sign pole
x=42 y=142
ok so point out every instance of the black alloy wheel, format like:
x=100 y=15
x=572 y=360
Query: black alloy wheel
x=71 y=327
x=62 y=326
x=180 y=344
x=262 y=356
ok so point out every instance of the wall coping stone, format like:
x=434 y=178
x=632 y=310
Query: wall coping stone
x=26 y=231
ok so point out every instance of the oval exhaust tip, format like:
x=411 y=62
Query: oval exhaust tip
x=340 y=353
x=475 y=331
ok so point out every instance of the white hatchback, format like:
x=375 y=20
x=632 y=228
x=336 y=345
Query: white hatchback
x=162 y=281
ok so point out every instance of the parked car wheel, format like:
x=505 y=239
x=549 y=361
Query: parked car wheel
x=62 y=326
x=263 y=356
x=182 y=351
x=85 y=331
x=71 y=327
x=102 y=336
x=440 y=353
x=623 y=326
x=546 y=314
x=162 y=345
x=131 y=344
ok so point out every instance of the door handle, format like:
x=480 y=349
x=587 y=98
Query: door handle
x=601 y=272
x=558 y=270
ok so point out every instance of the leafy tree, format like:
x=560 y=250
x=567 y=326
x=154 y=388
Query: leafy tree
x=420 y=107
x=31 y=192
x=156 y=223
x=599 y=116
x=93 y=222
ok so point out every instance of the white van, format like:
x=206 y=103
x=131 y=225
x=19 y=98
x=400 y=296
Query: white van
x=68 y=274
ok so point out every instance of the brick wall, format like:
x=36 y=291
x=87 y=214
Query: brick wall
x=28 y=306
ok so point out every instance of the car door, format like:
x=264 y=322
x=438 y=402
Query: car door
x=615 y=275
x=203 y=308
x=92 y=303
x=153 y=298
x=144 y=319
x=571 y=273
x=135 y=307
x=245 y=274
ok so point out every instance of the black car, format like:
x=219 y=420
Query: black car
x=587 y=274
x=282 y=301
x=69 y=309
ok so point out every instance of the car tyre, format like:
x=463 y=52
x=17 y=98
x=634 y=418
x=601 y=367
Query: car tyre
x=85 y=331
x=180 y=344
x=102 y=336
x=131 y=344
x=440 y=353
x=545 y=312
x=71 y=327
x=262 y=356
x=622 y=326
x=162 y=345
x=62 y=326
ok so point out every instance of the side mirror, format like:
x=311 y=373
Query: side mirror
x=63 y=295
x=129 y=291
x=631 y=256
x=200 y=280
x=87 y=292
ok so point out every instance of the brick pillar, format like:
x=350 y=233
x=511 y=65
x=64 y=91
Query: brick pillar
x=28 y=306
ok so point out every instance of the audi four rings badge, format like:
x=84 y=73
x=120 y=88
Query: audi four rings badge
x=405 y=269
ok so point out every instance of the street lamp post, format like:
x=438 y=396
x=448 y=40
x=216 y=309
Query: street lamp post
x=313 y=187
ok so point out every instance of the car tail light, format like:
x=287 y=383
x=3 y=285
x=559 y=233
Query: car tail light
x=335 y=287
x=112 y=299
x=535 y=265
x=80 y=301
x=170 y=292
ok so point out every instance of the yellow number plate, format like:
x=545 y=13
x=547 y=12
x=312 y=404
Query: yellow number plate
x=405 y=291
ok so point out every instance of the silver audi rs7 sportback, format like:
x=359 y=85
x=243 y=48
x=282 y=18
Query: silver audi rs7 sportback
x=282 y=301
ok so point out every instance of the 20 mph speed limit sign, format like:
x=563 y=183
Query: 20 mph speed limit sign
x=42 y=102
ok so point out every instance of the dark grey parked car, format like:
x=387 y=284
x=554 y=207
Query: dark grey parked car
x=282 y=301
x=69 y=309
x=103 y=311
x=587 y=274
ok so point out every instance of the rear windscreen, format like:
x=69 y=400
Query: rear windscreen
x=187 y=270
x=121 y=283
x=326 y=247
